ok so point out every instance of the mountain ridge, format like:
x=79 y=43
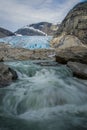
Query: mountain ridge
x=4 y=32
x=75 y=23
x=41 y=28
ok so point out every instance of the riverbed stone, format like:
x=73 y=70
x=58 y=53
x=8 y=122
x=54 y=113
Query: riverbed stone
x=7 y=75
x=79 y=70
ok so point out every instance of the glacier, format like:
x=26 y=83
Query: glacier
x=29 y=42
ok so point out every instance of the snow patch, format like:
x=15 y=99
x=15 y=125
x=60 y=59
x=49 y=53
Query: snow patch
x=36 y=30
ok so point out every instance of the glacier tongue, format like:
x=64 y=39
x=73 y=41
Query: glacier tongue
x=29 y=42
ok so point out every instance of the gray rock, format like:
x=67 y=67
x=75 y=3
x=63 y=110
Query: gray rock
x=7 y=75
x=5 y=32
x=78 y=54
x=79 y=70
x=75 y=24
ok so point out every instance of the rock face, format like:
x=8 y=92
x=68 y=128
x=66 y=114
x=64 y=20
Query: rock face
x=66 y=41
x=42 y=28
x=7 y=75
x=5 y=33
x=75 y=23
x=79 y=70
x=70 y=40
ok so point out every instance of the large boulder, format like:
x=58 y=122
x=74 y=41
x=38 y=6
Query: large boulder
x=65 y=41
x=7 y=75
x=79 y=70
x=77 y=53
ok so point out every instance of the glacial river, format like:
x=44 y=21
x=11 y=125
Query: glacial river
x=45 y=97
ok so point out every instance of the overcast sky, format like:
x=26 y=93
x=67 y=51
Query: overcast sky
x=17 y=13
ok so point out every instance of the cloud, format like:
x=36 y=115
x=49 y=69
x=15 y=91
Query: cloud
x=17 y=13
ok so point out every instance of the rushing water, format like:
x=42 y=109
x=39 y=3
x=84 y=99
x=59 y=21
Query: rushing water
x=43 y=98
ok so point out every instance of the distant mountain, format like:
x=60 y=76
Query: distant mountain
x=42 y=28
x=5 y=32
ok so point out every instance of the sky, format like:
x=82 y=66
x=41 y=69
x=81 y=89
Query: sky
x=15 y=14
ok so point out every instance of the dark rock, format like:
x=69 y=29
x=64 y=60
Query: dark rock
x=5 y=32
x=48 y=28
x=41 y=29
x=2 y=59
x=14 y=74
x=29 y=32
x=7 y=75
x=79 y=70
x=47 y=63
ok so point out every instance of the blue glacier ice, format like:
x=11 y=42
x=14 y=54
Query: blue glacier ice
x=29 y=42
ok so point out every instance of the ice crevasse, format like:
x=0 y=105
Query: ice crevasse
x=29 y=42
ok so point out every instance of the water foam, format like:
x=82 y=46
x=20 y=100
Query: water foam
x=45 y=89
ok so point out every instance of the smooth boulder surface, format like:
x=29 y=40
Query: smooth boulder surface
x=66 y=41
x=79 y=70
x=7 y=75
x=78 y=54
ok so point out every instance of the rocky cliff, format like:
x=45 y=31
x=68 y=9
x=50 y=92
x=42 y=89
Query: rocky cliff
x=74 y=24
x=42 y=28
x=5 y=32
x=70 y=41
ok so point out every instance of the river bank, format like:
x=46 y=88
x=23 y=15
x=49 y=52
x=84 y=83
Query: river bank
x=9 y=53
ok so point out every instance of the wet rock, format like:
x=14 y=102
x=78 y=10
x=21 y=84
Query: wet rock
x=7 y=75
x=1 y=59
x=79 y=70
x=47 y=63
